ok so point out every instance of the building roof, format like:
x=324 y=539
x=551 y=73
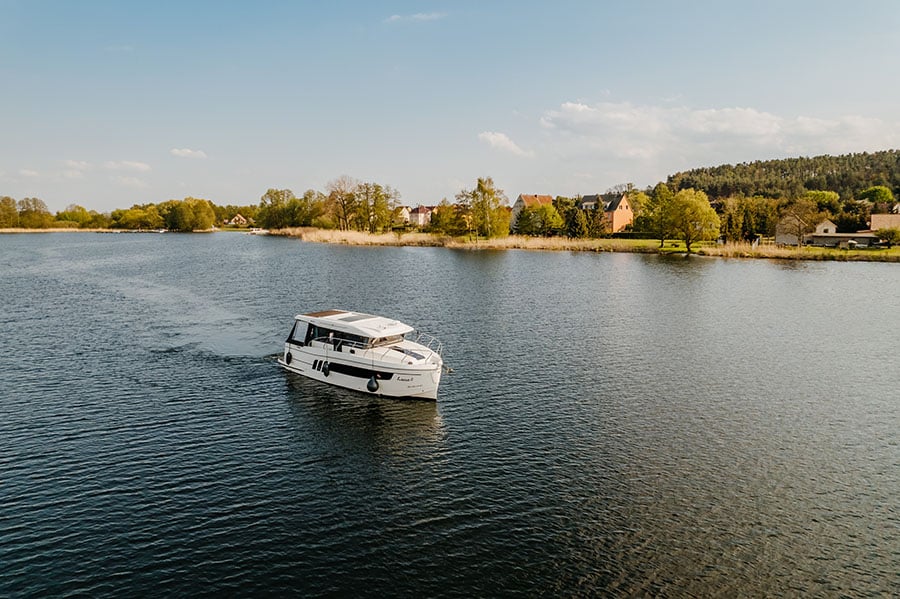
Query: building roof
x=536 y=200
x=613 y=204
x=884 y=221
x=421 y=210
x=610 y=201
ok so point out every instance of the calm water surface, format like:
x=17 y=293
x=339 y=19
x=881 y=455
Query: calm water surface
x=616 y=424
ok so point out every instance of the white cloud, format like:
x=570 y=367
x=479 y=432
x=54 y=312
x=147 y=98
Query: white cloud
x=187 y=153
x=75 y=169
x=706 y=136
x=502 y=142
x=128 y=181
x=126 y=165
x=27 y=172
x=418 y=17
x=79 y=165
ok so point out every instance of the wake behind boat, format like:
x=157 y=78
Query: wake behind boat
x=371 y=354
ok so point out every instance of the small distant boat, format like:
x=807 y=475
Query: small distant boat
x=363 y=352
x=257 y=231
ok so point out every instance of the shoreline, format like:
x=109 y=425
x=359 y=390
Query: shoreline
x=634 y=246
x=516 y=242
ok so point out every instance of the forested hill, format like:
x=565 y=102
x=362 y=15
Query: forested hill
x=791 y=177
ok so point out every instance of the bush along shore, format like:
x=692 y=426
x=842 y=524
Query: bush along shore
x=641 y=246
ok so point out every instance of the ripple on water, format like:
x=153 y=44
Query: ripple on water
x=615 y=424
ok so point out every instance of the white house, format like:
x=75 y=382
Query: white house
x=420 y=215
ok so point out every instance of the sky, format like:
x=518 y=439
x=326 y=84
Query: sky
x=107 y=104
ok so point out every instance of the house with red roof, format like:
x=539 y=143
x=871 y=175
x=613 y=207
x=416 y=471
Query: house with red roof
x=526 y=200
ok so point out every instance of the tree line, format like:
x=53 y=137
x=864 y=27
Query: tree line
x=189 y=214
x=747 y=201
x=847 y=175
x=348 y=204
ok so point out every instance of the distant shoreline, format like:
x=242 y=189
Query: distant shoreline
x=634 y=246
x=516 y=242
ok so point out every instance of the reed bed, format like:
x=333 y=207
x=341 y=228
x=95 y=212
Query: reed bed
x=511 y=242
x=645 y=246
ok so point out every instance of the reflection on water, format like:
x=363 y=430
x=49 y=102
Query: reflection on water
x=384 y=427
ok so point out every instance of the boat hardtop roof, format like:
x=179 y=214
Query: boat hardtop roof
x=356 y=323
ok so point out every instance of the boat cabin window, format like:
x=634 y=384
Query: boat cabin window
x=326 y=335
x=380 y=341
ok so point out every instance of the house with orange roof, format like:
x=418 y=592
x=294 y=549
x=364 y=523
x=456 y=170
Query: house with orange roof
x=526 y=200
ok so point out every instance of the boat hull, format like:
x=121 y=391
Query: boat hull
x=365 y=376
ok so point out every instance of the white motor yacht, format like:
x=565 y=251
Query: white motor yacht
x=371 y=354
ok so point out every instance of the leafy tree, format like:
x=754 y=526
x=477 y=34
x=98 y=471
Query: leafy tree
x=800 y=217
x=33 y=214
x=374 y=206
x=139 y=217
x=190 y=214
x=732 y=220
x=9 y=213
x=75 y=214
x=526 y=222
x=447 y=219
x=540 y=220
x=181 y=218
x=342 y=200
x=693 y=219
x=659 y=212
x=274 y=209
x=826 y=201
x=639 y=202
x=563 y=204
x=485 y=204
x=598 y=224
x=551 y=221
x=890 y=236
x=877 y=194
x=307 y=209
x=577 y=225
x=98 y=220
x=204 y=215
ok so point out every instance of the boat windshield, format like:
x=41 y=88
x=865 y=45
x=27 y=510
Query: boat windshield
x=382 y=341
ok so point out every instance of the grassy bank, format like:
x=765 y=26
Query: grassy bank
x=644 y=246
x=745 y=250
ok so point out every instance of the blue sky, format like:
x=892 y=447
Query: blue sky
x=108 y=104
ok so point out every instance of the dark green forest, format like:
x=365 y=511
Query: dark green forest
x=847 y=175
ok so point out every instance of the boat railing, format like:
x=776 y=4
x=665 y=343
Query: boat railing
x=432 y=343
x=339 y=343
x=428 y=341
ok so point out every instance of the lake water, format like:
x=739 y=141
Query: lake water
x=616 y=424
